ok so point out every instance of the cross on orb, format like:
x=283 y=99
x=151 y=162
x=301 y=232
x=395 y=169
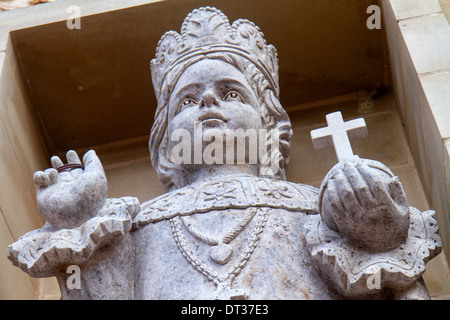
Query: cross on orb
x=338 y=133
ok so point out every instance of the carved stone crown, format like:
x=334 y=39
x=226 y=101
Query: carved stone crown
x=207 y=30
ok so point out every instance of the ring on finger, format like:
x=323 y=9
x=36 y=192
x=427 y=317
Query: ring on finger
x=69 y=167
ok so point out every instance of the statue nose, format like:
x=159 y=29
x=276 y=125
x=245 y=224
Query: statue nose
x=208 y=100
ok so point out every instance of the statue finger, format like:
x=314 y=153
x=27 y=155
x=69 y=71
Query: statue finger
x=332 y=192
x=376 y=184
x=52 y=174
x=56 y=162
x=72 y=158
x=331 y=205
x=41 y=179
x=397 y=193
x=92 y=162
x=360 y=186
x=346 y=193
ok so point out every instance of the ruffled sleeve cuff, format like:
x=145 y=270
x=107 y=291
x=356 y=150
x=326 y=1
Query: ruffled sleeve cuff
x=356 y=272
x=41 y=252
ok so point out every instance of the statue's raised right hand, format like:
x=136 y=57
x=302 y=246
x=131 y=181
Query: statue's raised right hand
x=69 y=198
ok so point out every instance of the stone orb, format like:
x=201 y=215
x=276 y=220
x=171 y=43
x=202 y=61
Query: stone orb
x=351 y=203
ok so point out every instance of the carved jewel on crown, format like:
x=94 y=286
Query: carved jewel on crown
x=207 y=30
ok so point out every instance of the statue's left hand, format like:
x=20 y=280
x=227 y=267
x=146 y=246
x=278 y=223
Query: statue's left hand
x=69 y=198
x=364 y=201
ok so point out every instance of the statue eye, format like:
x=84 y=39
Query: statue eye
x=233 y=95
x=188 y=102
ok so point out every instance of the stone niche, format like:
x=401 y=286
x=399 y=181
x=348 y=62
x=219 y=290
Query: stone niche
x=86 y=88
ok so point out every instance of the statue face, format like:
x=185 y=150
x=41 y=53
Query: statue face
x=216 y=95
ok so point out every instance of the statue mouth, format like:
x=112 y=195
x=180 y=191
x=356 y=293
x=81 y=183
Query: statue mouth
x=212 y=115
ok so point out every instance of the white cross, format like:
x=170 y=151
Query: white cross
x=338 y=133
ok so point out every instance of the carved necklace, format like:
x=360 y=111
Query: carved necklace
x=221 y=251
x=223 y=283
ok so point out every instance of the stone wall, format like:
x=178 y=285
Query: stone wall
x=418 y=36
x=22 y=152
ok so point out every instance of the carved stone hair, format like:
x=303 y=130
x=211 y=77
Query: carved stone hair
x=241 y=45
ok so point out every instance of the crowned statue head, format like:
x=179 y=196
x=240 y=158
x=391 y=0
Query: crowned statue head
x=223 y=77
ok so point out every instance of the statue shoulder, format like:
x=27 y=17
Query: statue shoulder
x=229 y=193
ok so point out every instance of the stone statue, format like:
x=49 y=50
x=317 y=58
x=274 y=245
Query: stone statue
x=228 y=226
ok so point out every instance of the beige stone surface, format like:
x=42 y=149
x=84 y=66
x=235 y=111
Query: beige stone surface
x=428 y=40
x=15 y=283
x=18 y=200
x=411 y=184
x=437 y=91
x=419 y=57
x=447 y=162
x=445 y=6
x=437 y=278
x=436 y=168
x=412 y=8
x=134 y=178
x=50 y=289
x=21 y=153
x=19 y=118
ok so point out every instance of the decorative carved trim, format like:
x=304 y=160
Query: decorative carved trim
x=351 y=269
x=41 y=252
x=214 y=194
